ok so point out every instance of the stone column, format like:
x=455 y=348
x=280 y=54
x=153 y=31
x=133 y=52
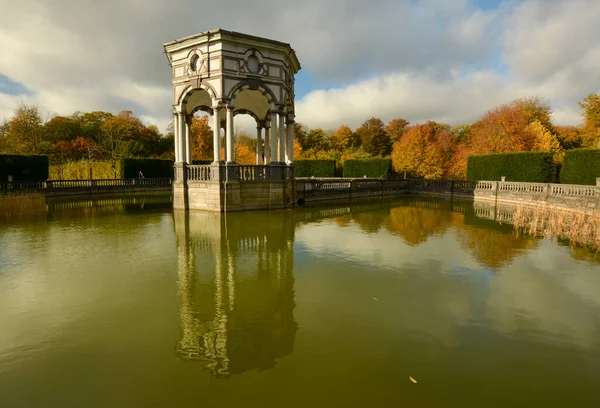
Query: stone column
x=258 y=144
x=267 y=142
x=176 y=135
x=230 y=151
x=281 y=138
x=290 y=141
x=182 y=141
x=216 y=135
x=188 y=142
x=273 y=136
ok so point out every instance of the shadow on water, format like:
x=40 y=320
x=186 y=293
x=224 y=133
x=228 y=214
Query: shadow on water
x=236 y=286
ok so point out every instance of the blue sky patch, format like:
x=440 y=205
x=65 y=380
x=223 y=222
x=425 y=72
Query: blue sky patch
x=12 y=88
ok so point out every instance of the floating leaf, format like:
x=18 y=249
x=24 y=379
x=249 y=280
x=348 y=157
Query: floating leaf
x=375 y=298
x=413 y=380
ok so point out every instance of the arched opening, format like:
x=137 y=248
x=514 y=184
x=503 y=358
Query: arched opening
x=252 y=140
x=196 y=108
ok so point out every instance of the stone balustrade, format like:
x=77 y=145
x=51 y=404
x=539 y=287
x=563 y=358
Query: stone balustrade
x=253 y=172
x=198 y=173
x=562 y=195
x=69 y=187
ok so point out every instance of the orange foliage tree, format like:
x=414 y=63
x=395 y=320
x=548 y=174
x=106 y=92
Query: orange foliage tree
x=425 y=150
x=201 y=137
x=344 y=138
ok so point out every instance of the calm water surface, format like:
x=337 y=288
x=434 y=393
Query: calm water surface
x=127 y=304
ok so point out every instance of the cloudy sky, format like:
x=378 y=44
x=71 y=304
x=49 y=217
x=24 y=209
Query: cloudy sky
x=448 y=61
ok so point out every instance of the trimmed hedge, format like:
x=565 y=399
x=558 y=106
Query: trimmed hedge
x=372 y=168
x=316 y=168
x=533 y=167
x=80 y=170
x=152 y=168
x=580 y=166
x=23 y=167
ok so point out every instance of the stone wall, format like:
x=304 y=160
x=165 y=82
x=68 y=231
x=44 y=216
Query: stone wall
x=233 y=195
x=557 y=195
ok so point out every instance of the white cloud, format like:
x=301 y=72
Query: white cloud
x=418 y=60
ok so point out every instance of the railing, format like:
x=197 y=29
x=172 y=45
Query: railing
x=253 y=172
x=555 y=194
x=485 y=185
x=6 y=186
x=518 y=187
x=198 y=173
x=571 y=190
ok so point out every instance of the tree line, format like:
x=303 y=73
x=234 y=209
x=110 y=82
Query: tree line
x=430 y=150
x=439 y=150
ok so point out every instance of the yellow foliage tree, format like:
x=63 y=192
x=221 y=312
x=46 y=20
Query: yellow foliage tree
x=545 y=141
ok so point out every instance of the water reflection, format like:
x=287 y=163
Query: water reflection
x=38 y=207
x=482 y=229
x=236 y=285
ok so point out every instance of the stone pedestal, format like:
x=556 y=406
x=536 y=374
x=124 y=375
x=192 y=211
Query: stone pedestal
x=195 y=188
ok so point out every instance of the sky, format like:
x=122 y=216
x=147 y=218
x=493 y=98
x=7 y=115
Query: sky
x=448 y=61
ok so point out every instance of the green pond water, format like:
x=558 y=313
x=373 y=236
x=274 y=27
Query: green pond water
x=125 y=303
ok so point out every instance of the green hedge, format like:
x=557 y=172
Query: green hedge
x=534 y=167
x=152 y=168
x=201 y=162
x=580 y=166
x=316 y=168
x=372 y=168
x=23 y=167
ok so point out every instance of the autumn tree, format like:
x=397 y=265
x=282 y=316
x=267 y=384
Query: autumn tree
x=425 y=150
x=4 y=126
x=590 y=107
x=510 y=127
x=25 y=131
x=395 y=129
x=569 y=137
x=374 y=138
x=201 y=138
x=535 y=109
x=344 y=138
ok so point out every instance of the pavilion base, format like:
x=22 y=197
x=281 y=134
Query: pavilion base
x=231 y=194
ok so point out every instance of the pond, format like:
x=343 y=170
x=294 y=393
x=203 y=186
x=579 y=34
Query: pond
x=408 y=302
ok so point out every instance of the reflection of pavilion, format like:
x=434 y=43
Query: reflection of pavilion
x=236 y=287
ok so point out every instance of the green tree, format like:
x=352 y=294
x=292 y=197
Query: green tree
x=315 y=139
x=374 y=139
x=300 y=134
x=61 y=128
